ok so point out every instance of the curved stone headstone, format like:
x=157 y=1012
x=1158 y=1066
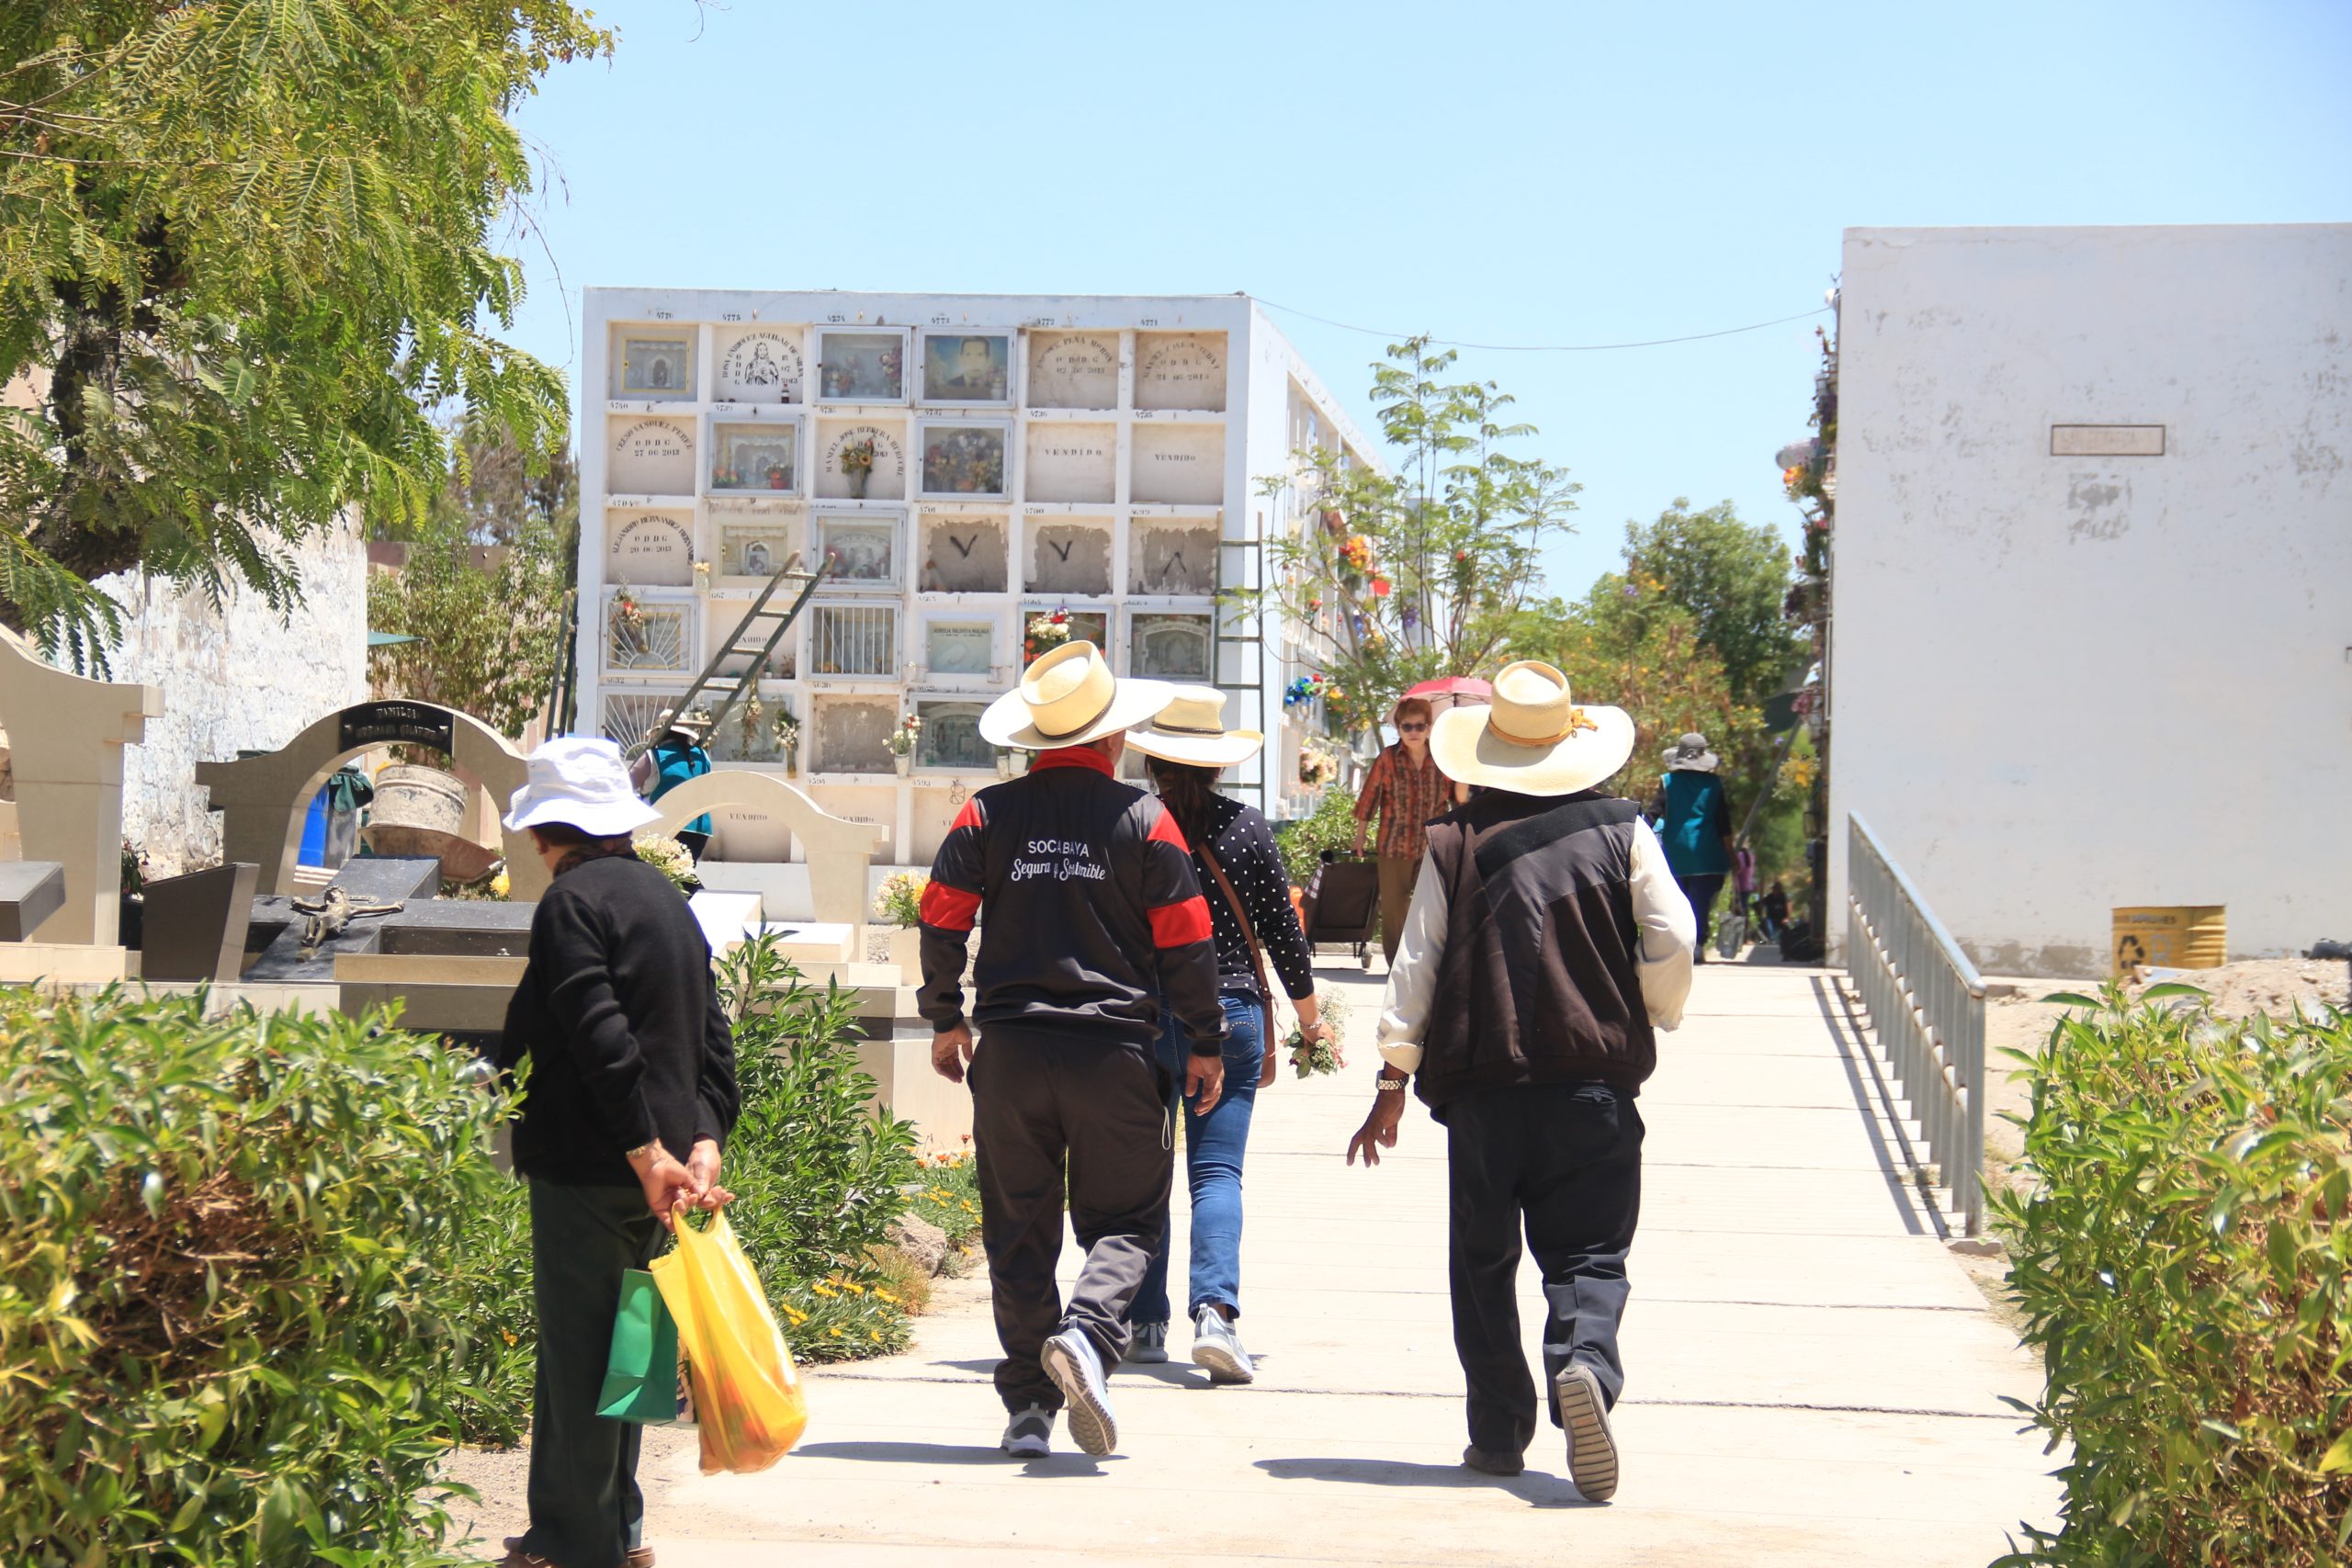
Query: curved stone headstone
x=66 y=733
x=262 y=800
x=839 y=851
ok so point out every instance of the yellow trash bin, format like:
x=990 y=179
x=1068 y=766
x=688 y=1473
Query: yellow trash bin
x=2169 y=936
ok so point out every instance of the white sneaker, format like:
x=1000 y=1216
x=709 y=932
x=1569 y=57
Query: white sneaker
x=1076 y=1368
x=1216 y=1347
x=1592 y=1448
x=1149 y=1345
x=1029 y=1433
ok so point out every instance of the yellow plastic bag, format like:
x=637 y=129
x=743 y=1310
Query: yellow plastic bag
x=747 y=1395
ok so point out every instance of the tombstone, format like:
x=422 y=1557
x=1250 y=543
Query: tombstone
x=196 y=925
x=262 y=799
x=66 y=734
x=31 y=891
x=839 y=851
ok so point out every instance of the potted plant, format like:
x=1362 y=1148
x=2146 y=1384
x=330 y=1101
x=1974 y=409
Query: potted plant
x=902 y=743
x=898 y=905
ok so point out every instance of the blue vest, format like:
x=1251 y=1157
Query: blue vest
x=1694 y=846
x=679 y=764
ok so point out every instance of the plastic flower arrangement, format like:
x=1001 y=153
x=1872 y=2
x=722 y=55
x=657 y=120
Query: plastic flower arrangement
x=1318 y=763
x=627 y=611
x=902 y=739
x=1306 y=689
x=1357 y=553
x=857 y=457
x=900 y=898
x=1047 y=632
x=669 y=857
x=788 y=729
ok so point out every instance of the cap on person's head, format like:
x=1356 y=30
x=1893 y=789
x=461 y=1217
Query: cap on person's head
x=1531 y=738
x=579 y=780
x=1068 y=698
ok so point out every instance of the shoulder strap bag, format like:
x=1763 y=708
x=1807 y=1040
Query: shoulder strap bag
x=1249 y=937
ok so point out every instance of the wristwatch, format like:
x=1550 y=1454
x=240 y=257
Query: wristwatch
x=1388 y=1085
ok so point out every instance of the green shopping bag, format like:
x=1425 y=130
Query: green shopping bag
x=644 y=1379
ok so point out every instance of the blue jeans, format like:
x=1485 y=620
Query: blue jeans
x=1214 y=1145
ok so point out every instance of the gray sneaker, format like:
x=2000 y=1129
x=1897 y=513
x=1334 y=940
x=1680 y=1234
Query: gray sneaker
x=1149 y=1345
x=1029 y=1433
x=1076 y=1368
x=1216 y=1347
x=1592 y=1451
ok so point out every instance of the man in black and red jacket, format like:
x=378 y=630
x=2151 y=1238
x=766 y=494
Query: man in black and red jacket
x=1093 y=916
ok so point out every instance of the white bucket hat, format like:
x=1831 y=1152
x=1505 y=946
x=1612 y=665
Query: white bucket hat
x=1068 y=698
x=1190 y=730
x=579 y=781
x=1531 y=738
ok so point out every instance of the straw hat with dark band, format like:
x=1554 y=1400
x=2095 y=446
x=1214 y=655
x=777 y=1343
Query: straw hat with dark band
x=1531 y=738
x=1190 y=730
x=1068 y=698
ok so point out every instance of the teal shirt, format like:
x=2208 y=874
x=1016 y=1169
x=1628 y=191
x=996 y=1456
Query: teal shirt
x=679 y=764
x=1696 y=821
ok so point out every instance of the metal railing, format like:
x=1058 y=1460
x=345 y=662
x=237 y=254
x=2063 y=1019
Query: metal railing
x=1927 y=1006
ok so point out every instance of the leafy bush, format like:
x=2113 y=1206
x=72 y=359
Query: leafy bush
x=818 y=1170
x=2184 y=1258
x=227 y=1315
x=949 y=1193
x=1303 y=839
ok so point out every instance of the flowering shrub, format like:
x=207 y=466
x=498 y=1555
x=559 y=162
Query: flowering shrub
x=900 y=901
x=949 y=1196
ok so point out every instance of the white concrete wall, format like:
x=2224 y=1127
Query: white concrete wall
x=234 y=677
x=2064 y=683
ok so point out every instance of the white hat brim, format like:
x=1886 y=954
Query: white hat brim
x=1007 y=722
x=1468 y=752
x=598 y=820
x=1221 y=751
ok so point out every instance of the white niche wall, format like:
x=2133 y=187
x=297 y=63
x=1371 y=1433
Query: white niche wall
x=885 y=480
x=1173 y=556
x=1180 y=370
x=649 y=454
x=1069 y=462
x=760 y=364
x=1069 y=556
x=1073 y=370
x=648 y=548
x=1178 y=465
x=963 y=553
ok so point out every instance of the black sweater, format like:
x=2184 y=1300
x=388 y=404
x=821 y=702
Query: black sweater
x=620 y=1017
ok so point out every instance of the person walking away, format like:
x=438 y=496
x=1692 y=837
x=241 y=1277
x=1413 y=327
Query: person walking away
x=1093 y=917
x=1252 y=920
x=1692 y=813
x=675 y=756
x=631 y=1096
x=1545 y=944
x=1405 y=789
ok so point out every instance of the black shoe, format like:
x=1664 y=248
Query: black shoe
x=1473 y=1458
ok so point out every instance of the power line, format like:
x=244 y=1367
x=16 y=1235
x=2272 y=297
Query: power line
x=1547 y=348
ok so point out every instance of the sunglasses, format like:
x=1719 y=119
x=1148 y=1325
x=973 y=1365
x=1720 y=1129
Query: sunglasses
x=1410 y=729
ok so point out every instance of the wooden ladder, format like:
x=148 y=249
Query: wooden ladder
x=736 y=644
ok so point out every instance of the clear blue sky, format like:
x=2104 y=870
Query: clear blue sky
x=1494 y=172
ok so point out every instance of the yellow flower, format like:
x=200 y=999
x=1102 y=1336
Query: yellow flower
x=824 y=1291
x=874 y=1335
x=882 y=1295
x=852 y=1287
x=796 y=1314
x=500 y=885
x=834 y=1332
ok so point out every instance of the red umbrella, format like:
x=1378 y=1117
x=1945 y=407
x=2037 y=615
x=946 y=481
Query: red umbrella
x=1450 y=690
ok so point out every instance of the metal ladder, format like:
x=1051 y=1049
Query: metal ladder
x=733 y=646
x=1250 y=684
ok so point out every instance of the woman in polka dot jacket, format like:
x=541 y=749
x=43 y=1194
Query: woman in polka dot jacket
x=1185 y=749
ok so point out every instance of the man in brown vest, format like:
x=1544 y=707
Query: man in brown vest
x=1545 y=941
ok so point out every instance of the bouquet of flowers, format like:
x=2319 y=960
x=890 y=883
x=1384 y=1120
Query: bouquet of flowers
x=788 y=729
x=1356 y=554
x=1324 y=1055
x=902 y=739
x=669 y=857
x=627 y=611
x=900 y=899
x=858 y=456
x=1047 y=632
x=1318 y=763
x=1306 y=689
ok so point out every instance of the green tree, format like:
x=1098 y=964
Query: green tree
x=483 y=587
x=1693 y=635
x=1419 y=572
x=247 y=250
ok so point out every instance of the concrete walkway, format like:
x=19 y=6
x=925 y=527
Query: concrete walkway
x=1810 y=1378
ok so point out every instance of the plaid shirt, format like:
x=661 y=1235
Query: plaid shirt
x=1407 y=798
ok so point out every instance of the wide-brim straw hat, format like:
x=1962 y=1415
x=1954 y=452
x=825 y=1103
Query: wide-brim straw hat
x=1691 y=755
x=1191 y=730
x=1531 y=738
x=695 y=724
x=581 y=781
x=1068 y=698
